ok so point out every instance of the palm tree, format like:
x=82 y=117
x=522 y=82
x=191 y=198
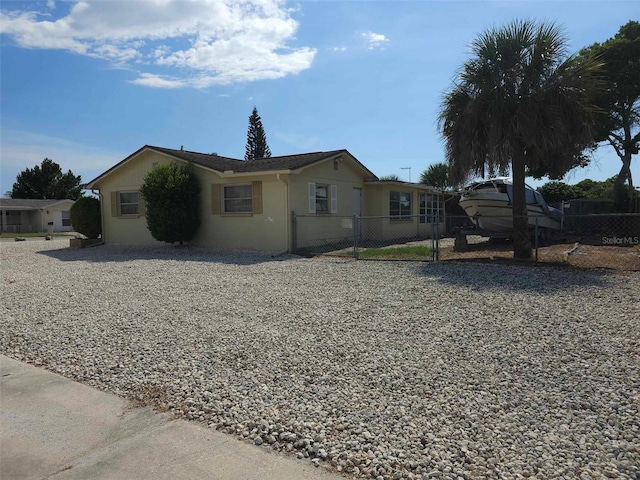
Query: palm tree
x=519 y=102
x=391 y=177
x=437 y=175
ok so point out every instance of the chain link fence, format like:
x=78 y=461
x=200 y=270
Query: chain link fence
x=408 y=236
x=586 y=241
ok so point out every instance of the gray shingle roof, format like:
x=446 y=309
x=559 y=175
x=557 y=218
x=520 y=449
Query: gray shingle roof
x=221 y=164
x=225 y=164
x=26 y=203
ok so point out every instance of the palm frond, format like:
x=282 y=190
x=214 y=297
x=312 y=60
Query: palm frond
x=520 y=92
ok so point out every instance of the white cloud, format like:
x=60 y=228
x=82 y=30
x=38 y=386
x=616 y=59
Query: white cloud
x=339 y=49
x=375 y=40
x=51 y=4
x=158 y=81
x=189 y=43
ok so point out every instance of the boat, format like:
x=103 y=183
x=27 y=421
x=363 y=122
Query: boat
x=488 y=204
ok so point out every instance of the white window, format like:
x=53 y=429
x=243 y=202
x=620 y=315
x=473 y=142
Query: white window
x=430 y=209
x=321 y=197
x=128 y=203
x=66 y=218
x=238 y=198
x=400 y=205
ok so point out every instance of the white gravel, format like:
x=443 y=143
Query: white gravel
x=377 y=369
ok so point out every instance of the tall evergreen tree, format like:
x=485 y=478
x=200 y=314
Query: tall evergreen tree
x=256 y=139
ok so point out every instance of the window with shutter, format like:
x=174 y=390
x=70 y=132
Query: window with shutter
x=125 y=204
x=323 y=198
x=242 y=198
x=128 y=203
x=142 y=205
x=114 y=204
x=215 y=199
x=312 y=197
x=237 y=198
x=334 y=199
x=257 y=197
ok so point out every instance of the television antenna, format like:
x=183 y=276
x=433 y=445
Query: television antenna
x=407 y=168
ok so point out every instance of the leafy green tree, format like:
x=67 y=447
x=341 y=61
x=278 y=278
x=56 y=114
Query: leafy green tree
x=437 y=175
x=172 y=197
x=86 y=217
x=256 y=139
x=392 y=177
x=556 y=191
x=619 y=100
x=46 y=181
x=519 y=102
x=588 y=188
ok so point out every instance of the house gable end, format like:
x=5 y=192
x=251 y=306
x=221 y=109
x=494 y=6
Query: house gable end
x=96 y=182
x=343 y=158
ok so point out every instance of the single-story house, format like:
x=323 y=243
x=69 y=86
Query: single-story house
x=249 y=204
x=30 y=215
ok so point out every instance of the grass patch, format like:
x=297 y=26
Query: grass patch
x=33 y=234
x=417 y=252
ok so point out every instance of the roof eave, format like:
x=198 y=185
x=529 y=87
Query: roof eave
x=419 y=186
x=338 y=154
x=92 y=184
x=232 y=174
x=31 y=207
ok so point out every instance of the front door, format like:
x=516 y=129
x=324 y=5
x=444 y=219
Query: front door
x=357 y=201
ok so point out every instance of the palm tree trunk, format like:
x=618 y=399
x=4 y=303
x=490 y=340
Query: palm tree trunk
x=521 y=240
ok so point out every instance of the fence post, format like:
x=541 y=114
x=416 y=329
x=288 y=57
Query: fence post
x=356 y=230
x=294 y=232
x=438 y=240
x=433 y=240
x=536 y=239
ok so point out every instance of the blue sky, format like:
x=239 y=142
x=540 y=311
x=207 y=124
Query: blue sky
x=87 y=83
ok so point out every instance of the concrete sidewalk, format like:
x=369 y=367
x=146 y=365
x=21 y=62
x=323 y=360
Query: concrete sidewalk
x=54 y=428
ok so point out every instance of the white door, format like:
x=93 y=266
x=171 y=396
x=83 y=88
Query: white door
x=357 y=201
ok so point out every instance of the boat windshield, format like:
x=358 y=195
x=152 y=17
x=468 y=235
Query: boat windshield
x=501 y=187
x=482 y=185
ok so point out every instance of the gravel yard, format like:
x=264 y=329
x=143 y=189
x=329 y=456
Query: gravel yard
x=377 y=369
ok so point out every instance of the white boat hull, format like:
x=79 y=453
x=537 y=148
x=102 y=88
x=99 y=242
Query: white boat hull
x=497 y=215
x=488 y=205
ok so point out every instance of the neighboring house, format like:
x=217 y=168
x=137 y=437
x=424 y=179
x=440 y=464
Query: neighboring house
x=29 y=215
x=249 y=204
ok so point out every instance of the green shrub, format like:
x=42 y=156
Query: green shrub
x=172 y=196
x=85 y=217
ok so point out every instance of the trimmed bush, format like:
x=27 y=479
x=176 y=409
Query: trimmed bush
x=85 y=217
x=172 y=196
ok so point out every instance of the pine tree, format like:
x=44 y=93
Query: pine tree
x=256 y=139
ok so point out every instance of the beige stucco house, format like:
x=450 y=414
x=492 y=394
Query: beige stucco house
x=29 y=215
x=249 y=204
